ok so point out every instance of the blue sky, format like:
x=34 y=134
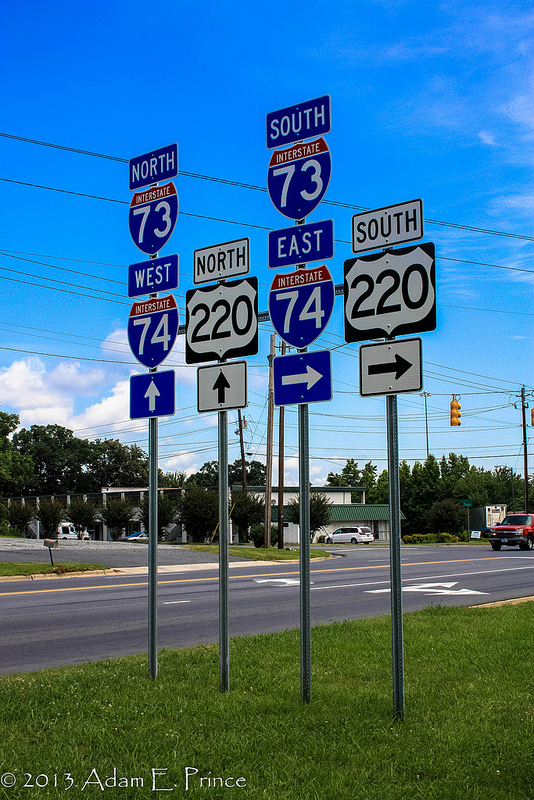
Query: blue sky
x=429 y=100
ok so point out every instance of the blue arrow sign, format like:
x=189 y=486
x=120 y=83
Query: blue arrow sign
x=152 y=218
x=156 y=275
x=300 y=305
x=301 y=243
x=152 y=329
x=152 y=395
x=298 y=178
x=303 y=378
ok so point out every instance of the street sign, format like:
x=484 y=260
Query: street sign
x=389 y=294
x=387 y=226
x=301 y=244
x=221 y=261
x=152 y=395
x=153 y=215
x=300 y=305
x=302 y=121
x=221 y=321
x=156 y=275
x=152 y=329
x=222 y=386
x=298 y=177
x=303 y=378
x=158 y=165
x=391 y=367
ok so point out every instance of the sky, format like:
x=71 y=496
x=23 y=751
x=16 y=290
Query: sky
x=429 y=100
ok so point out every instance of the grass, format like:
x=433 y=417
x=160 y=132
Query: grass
x=33 y=568
x=257 y=553
x=467 y=732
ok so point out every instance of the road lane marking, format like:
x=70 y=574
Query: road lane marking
x=431 y=589
x=266 y=575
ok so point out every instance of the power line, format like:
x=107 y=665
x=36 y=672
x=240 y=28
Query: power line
x=254 y=187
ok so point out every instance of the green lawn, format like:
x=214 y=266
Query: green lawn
x=467 y=732
x=257 y=553
x=34 y=568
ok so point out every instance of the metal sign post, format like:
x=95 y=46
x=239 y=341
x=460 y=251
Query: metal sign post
x=395 y=556
x=304 y=520
x=224 y=641
x=152 y=546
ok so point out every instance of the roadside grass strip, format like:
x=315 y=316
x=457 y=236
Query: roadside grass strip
x=105 y=729
x=257 y=553
x=36 y=568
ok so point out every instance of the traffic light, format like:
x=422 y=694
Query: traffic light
x=532 y=416
x=455 y=411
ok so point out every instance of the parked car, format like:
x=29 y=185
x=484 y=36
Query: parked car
x=140 y=536
x=516 y=529
x=67 y=531
x=354 y=535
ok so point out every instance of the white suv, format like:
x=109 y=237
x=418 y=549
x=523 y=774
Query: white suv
x=353 y=535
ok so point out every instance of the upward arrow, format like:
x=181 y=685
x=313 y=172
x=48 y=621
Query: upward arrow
x=399 y=367
x=221 y=385
x=152 y=392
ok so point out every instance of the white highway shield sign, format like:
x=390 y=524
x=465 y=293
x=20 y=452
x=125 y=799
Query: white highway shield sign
x=389 y=294
x=222 y=386
x=221 y=321
x=152 y=329
x=391 y=367
x=298 y=178
x=153 y=215
x=300 y=305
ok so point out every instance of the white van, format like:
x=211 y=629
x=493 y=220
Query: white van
x=67 y=531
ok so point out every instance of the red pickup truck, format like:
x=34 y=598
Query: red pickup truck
x=516 y=528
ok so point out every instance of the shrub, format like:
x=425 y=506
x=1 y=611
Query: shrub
x=257 y=535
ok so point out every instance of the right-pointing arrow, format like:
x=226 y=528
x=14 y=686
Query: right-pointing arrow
x=399 y=367
x=310 y=377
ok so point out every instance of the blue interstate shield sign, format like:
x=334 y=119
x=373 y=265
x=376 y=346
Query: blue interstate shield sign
x=153 y=215
x=298 y=178
x=152 y=329
x=300 y=305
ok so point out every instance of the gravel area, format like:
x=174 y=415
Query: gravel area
x=110 y=554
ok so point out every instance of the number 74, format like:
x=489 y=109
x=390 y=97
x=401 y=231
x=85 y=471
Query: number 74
x=312 y=308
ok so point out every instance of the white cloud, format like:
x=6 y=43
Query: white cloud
x=487 y=138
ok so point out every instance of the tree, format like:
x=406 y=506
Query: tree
x=117 y=515
x=246 y=510
x=207 y=476
x=15 y=469
x=59 y=459
x=199 y=512
x=83 y=514
x=20 y=515
x=319 y=511
x=445 y=516
x=350 y=475
x=111 y=463
x=50 y=514
x=167 y=512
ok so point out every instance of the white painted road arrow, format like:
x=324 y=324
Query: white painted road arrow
x=152 y=392
x=311 y=376
x=279 y=581
x=431 y=588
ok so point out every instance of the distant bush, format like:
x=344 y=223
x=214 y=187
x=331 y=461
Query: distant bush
x=257 y=535
x=430 y=538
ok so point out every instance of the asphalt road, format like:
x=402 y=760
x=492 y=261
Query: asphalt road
x=53 y=622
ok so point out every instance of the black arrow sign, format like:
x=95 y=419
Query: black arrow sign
x=221 y=385
x=399 y=367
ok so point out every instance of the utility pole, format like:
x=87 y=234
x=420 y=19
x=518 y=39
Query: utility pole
x=242 y=423
x=425 y=395
x=269 y=459
x=525 y=452
x=281 y=442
